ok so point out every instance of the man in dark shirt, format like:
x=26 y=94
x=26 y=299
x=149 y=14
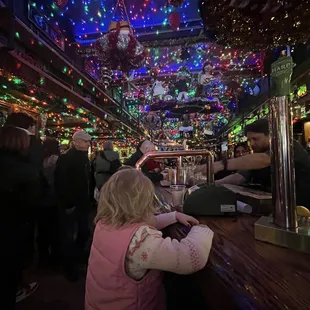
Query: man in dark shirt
x=255 y=168
x=73 y=186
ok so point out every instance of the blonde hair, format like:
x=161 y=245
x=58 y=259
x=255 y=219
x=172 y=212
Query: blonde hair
x=127 y=197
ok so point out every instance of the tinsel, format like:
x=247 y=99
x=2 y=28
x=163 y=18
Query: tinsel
x=175 y=42
x=43 y=118
x=256 y=24
x=189 y=41
x=106 y=76
x=120 y=51
x=213 y=105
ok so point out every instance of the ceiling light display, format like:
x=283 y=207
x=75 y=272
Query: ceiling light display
x=256 y=24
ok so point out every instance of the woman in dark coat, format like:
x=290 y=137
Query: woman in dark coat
x=19 y=188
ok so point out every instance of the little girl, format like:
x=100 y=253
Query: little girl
x=128 y=252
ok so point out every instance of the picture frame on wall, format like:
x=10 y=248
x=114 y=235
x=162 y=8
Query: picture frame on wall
x=124 y=153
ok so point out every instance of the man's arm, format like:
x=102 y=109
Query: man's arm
x=235 y=179
x=248 y=162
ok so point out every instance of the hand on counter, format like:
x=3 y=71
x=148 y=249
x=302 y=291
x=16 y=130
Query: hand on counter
x=186 y=219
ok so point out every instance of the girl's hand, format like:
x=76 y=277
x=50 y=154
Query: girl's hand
x=186 y=219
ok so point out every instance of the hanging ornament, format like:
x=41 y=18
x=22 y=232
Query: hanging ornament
x=106 y=76
x=174 y=20
x=176 y=3
x=154 y=72
x=141 y=95
x=152 y=121
x=61 y=3
x=119 y=49
x=43 y=118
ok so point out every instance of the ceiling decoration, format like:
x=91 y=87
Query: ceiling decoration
x=256 y=24
x=182 y=85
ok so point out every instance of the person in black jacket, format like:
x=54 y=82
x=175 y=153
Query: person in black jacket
x=27 y=123
x=143 y=148
x=19 y=188
x=74 y=191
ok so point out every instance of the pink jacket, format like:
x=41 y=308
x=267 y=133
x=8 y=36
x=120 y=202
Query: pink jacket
x=107 y=285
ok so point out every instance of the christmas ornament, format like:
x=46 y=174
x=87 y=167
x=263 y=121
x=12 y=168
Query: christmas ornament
x=106 y=76
x=152 y=121
x=174 y=20
x=141 y=95
x=154 y=72
x=61 y=3
x=176 y=3
x=119 y=49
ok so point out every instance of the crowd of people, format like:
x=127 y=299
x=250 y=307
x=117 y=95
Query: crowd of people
x=48 y=197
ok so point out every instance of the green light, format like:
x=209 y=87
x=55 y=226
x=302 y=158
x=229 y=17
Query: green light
x=4 y=86
x=80 y=82
x=64 y=70
x=93 y=89
x=42 y=80
x=17 y=81
x=17 y=35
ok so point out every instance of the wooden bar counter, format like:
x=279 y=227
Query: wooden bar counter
x=243 y=273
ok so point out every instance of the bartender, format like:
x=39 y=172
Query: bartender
x=255 y=168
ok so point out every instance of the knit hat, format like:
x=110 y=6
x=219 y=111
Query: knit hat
x=81 y=135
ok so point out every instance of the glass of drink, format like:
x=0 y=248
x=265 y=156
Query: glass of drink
x=177 y=192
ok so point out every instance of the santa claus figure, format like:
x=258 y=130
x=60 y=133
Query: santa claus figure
x=119 y=49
